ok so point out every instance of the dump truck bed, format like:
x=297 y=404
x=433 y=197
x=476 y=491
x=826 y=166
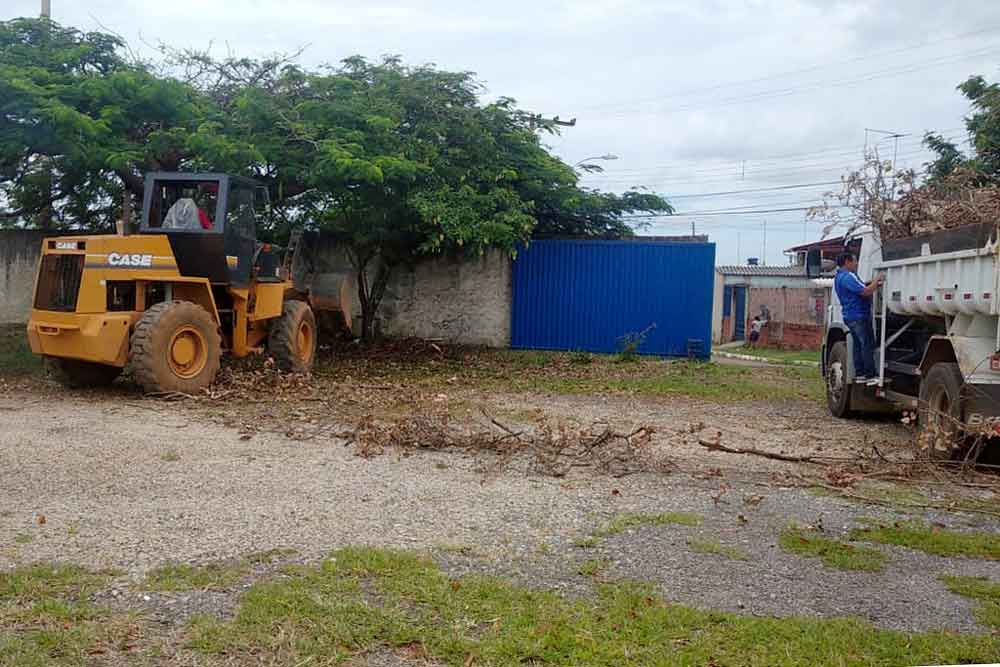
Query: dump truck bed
x=947 y=273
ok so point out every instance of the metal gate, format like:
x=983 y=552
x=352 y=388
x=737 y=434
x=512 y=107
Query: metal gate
x=592 y=295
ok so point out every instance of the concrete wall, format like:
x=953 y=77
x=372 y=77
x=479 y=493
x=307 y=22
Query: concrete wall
x=456 y=300
x=19 y=251
x=453 y=299
x=796 y=315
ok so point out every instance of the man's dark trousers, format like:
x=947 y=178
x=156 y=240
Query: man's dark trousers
x=864 y=347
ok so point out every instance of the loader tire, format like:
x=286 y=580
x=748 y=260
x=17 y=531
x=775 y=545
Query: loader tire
x=175 y=347
x=292 y=340
x=76 y=374
x=940 y=414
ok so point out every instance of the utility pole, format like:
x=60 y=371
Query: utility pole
x=739 y=247
x=763 y=256
x=46 y=9
x=692 y=228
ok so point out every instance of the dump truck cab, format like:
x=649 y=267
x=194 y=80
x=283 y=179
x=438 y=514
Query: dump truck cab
x=194 y=268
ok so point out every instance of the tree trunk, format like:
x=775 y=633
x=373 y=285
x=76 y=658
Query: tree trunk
x=370 y=292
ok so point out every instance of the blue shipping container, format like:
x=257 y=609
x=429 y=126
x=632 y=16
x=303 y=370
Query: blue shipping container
x=588 y=295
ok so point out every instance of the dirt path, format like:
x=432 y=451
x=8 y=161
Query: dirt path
x=133 y=484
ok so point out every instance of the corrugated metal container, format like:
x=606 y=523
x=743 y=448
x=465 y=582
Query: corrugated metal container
x=588 y=295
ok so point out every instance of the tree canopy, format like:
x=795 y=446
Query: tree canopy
x=981 y=166
x=394 y=161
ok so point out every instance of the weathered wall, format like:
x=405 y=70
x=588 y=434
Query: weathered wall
x=457 y=300
x=796 y=315
x=19 y=251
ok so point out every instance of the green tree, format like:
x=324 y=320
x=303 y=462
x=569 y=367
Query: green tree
x=80 y=124
x=982 y=165
x=396 y=162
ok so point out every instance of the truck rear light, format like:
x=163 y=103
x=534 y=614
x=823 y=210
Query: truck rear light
x=987 y=295
x=995 y=362
x=967 y=296
x=949 y=296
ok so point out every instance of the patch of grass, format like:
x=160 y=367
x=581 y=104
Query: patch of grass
x=46 y=619
x=520 y=371
x=184 y=577
x=717 y=382
x=363 y=599
x=833 y=553
x=981 y=589
x=716 y=548
x=593 y=567
x=781 y=356
x=270 y=555
x=170 y=456
x=622 y=522
x=16 y=357
x=581 y=357
x=586 y=542
x=932 y=539
x=23 y=538
x=452 y=548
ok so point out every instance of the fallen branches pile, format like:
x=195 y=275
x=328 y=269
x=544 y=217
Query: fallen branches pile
x=550 y=448
x=925 y=210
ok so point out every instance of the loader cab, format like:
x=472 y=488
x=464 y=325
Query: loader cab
x=209 y=220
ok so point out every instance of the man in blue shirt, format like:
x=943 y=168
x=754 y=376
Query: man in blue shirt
x=856 y=303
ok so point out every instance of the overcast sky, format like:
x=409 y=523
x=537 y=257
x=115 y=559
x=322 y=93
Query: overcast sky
x=693 y=97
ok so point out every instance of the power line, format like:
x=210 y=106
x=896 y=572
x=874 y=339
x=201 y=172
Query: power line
x=807 y=87
x=771 y=189
x=718 y=212
x=912 y=145
x=811 y=68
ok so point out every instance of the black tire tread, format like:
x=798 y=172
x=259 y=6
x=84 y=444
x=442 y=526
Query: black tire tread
x=846 y=412
x=143 y=351
x=283 y=337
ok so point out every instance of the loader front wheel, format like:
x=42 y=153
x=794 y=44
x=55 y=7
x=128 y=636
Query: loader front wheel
x=292 y=341
x=77 y=374
x=176 y=347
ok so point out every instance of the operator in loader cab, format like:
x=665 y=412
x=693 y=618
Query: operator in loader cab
x=856 y=301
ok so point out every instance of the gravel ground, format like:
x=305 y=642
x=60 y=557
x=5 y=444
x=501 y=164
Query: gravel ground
x=133 y=484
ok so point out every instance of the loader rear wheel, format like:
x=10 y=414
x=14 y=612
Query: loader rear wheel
x=292 y=341
x=176 y=347
x=77 y=374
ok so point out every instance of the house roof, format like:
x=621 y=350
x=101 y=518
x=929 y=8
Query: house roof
x=826 y=244
x=749 y=270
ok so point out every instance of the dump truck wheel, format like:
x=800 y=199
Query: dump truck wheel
x=176 y=347
x=940 y=414
x=77 y=374
x=292 y=341
x=838 y=389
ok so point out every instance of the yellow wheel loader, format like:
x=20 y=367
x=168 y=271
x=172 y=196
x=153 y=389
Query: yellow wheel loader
x=194 y=282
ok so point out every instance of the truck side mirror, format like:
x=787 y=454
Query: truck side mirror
x=814 y=263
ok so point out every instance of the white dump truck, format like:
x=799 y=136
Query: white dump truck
x=937 y=331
